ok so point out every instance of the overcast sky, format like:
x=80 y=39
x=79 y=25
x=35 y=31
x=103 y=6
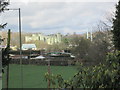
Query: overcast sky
x=53 y=17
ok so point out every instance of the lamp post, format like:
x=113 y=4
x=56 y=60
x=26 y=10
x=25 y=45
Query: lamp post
x=20 y=40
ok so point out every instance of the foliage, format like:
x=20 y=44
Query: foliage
x=65 y=40
x=94 y=51
x=99 y=47
x=1 y=40
x=57 y=47
x=3 y=5
x=39 y=44
x=82 y=47
x=116 y=27
x=100 y=76
x=57 y=81
x=5 y=52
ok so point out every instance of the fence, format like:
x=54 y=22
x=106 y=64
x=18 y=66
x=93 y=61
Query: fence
x=43 y=62
x=33 y=74
x=34 y=71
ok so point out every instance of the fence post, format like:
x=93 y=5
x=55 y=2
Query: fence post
x=49 y=73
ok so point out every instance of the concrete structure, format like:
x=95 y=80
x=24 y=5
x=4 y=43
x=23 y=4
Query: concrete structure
x=50 y=39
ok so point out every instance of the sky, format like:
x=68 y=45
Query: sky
x=57 y=16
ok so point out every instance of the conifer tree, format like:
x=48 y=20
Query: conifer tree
x=116 y=27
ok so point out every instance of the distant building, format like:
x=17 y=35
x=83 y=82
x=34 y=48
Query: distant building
x=50 y=39
x=29 y=46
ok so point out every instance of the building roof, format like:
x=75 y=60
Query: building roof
x=28 y=46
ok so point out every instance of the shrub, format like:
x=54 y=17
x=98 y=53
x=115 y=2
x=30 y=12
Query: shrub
x=105 y=75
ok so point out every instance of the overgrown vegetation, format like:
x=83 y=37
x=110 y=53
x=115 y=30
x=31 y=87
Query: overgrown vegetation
x=105 y=75
x=116 y=27
x=5 y=52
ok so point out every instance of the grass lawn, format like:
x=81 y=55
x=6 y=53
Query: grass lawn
x=0 y=84
x=33 y=76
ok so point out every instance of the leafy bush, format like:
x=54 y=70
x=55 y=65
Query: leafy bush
x=105 y=75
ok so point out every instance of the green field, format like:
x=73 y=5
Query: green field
x=0 y=84
x=33 y=76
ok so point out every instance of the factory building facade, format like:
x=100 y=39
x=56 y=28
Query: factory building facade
x=49 y=39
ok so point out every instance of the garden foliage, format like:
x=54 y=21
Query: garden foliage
x=105 y=75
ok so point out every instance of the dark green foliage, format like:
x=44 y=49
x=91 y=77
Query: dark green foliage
x=3 y=25
x=94 y=51
x=5 y=52
x=99 y=48
x=82 y=47
x=116 y=27
x=3 y=5
x=101 y=76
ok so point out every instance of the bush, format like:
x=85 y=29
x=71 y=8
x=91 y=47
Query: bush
x=105 y=75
